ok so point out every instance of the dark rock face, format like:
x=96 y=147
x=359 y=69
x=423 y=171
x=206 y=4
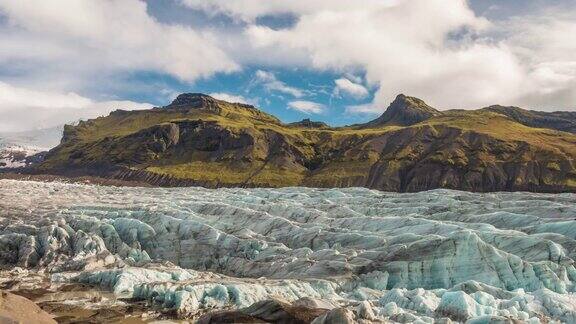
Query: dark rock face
x=190 y=99
x=405 y=111
x=459 y=160
x=267 y=311
x=194 y=101
x=228 y=317
x=176 y=138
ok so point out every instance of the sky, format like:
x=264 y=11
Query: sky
x=337 y=61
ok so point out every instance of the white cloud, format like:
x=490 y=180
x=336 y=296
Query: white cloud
x=91 y=38
x=546 y=45
x=233 y=98
x=271 y=83
x=399 y=55
x=307 y=107
x=439 y=50
x=28 y=109
x=343 y=85
x=71 y=46
x=168 y=94
x=365 y=109
x=354 y=78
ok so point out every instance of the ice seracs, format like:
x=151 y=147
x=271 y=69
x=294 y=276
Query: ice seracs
x=349 y=254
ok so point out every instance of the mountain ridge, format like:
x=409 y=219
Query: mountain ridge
x=200 y=140
x=559 y=120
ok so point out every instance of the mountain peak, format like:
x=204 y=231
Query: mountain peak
x=194 y=101
x=405 y=111
x=307 y=123
x=191 y=99
x=404 y=99
x=191 y=102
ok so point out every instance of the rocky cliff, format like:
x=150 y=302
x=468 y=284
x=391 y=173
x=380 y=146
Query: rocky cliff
x=199 y=140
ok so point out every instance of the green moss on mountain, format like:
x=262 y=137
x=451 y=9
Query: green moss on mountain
x=198 y=140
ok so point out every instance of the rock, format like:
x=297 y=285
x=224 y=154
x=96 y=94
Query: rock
x=282 y=312
x=336 y=316
x=195 y=101
x=314 y=303
x=267 y=311
x=228 y=317
x=17 y=309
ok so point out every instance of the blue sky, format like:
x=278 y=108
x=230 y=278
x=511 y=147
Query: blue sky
x=317 y=86
x=339 y=61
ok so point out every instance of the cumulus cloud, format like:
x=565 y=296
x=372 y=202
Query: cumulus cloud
x=307 y=107
x=344 y=85
x=546 y=44
x=439 y=50
x=233 y=98
x=67 y=46
x=271 y=83
x=399 y=55
x=28 y=109
x=95 y=37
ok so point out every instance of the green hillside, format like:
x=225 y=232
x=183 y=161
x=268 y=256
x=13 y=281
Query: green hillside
x=199 y=140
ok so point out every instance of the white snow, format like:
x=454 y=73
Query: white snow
x=13 y=156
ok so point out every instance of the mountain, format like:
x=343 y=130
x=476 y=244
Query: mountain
x=17 y=156
x=40 y=139
x=199 y=140
x=559 y=120
x=23 y=149
x=405 y=111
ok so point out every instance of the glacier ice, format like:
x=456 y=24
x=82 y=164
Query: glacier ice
x=359 y=254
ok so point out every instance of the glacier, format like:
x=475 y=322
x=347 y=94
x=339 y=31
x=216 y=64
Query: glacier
x=346 y=255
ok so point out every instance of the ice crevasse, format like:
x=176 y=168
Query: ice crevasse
x=378 y=256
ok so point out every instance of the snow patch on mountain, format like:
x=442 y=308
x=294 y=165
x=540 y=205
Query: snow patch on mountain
x=21 y=149
x=16 y=156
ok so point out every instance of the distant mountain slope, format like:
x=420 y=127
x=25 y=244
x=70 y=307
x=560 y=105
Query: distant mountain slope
x=199 y=140
x=40 y=139
x=16 y=156
x=559 y=120
x=22 y=149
